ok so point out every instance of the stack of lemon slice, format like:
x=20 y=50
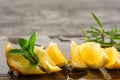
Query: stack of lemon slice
x=20 y=65
x=76 y=60
x=92 y=55
x=56 y=55
x=85 y=55
x=113 y=58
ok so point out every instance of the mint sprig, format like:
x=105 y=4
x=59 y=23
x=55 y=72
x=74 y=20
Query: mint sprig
x=27 y=49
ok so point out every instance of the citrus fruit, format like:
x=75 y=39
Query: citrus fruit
x=46 y=62
x=75 y=59
x=19 y=64
x=113 y=58
x=93 y=55
x=56 y=55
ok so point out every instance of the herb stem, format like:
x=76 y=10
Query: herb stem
x=100 y=35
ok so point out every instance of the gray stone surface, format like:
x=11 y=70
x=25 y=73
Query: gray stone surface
x=52 y=17
x=3 y=65
x=55 y=17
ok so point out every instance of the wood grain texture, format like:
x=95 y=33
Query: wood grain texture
x=55 y=17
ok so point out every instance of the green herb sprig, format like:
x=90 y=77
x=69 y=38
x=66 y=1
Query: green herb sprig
x=27 y=49
x=101 y=36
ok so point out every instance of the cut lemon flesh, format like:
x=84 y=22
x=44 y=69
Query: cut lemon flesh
x=93 y=55
x=46 y=61
x=19 y=64
x=56 y=55
x=76 y=60
x=113 y=58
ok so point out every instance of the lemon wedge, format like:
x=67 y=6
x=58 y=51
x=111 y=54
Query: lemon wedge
x=113 y=58
x=46 y=62
x=93 y=55
x=19 y=64
x=56 y=55
x=75 y=59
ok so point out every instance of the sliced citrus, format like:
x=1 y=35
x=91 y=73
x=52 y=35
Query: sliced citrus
x=76 y=60
x=56 y=55
x=113 y=58
x=119 y=58
x=93 y=55
x=46 y=62
x=19 y=64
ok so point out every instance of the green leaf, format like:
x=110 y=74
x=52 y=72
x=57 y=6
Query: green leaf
x=84 y=33
x=32 y=42
x=27 y=49
x=116 y=37
x=95 y=29
x=16 y=51
x=113 y=31
x=92 y=32
x=101 y=36
x=97 y=20
x=105 y=44
x=24 y=44
x=24 y=54
x=31 y=60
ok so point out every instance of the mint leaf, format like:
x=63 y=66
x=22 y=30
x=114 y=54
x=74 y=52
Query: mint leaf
x=13 y=51
x=24 y=44
x=24 y=54
x=27 y=49
x=32 y=42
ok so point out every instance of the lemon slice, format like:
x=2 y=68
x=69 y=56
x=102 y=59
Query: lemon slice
x=113 y=58
x=46 y=62
x=119 y=58
x=19 y=64
x=93 y=55
x=56 y=55
x=75 y=59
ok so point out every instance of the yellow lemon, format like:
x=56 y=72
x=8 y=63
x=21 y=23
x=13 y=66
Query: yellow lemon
x=119 y=58
x=56 y=55
x=75 y=59
x=113 y=58
x=19 y=64
x=46 y=62
x=93 y=55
